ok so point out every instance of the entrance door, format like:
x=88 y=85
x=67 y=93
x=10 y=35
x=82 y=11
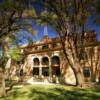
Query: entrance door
x=56 y=71
x=35 y=71
x=45 y=71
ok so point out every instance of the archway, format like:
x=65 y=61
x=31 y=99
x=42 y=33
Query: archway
x=45 y=68
x=55 y=62
x=45 y=61
x=36 y=62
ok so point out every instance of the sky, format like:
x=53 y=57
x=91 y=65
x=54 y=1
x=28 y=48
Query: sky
x=24 y=35
x=51 y=31
x=92 y=26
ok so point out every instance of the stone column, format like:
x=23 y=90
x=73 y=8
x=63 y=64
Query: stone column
x=40 y=69
x=50 y=71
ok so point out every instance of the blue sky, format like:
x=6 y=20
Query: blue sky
x=92 y=26
x=51 y=33
x=96 y=28
x=24 y=35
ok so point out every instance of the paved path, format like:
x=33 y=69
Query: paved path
x=31 y=81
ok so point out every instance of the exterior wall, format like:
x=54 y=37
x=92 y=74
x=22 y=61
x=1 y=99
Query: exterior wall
x=92 y=62
x=67 y=75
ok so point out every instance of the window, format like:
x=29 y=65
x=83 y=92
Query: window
x=56 y=71
x=54 y=45
x=45 y=71
x=45 y=61
x=35 y=71
x=86 y=72
x=55 y=61
x=36 y=62
x=45 y=47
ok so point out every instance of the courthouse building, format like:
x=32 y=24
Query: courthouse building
x=45 y=60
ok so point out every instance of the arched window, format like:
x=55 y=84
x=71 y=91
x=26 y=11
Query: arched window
x=55 y=61
x=36 y=61
x=55 y=66
x=45 y=61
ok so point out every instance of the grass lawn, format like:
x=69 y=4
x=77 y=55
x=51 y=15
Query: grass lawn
x=52 y=92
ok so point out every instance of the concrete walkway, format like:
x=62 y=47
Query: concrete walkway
x=31 y=81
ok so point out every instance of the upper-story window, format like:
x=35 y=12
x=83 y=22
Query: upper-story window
x=45 y=47
x=54 y=45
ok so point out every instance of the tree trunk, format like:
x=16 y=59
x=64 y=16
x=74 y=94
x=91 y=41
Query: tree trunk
x=79 y=80
x=78 y=74
x=2 y=83
x=73 y=63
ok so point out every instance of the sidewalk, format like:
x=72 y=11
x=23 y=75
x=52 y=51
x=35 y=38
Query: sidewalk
x=31 y=81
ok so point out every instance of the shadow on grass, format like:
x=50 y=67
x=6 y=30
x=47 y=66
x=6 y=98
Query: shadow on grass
x=62 y=94
x=56 y=93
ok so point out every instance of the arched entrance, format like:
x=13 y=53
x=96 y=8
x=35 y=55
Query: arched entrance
x=45 y=68
x=36 y=63
x=55 y=62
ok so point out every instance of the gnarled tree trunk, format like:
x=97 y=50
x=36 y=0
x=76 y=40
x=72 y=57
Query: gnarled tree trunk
x=71 y=56
x=76 y=67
